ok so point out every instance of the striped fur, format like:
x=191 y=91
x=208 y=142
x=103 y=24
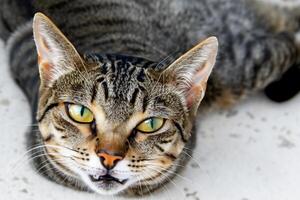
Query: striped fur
x=126 y=45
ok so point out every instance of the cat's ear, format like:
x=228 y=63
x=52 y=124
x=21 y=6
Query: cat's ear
x=56 y=55
x=191 y=71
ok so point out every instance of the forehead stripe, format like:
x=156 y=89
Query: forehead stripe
x=94 y=92
x=105 y=88
x=134 y=96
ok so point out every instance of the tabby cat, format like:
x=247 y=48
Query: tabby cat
x=117 y=96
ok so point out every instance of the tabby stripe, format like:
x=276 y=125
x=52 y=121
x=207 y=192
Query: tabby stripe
x=112 y=62
x=137 y=50
x=59 y=128
x=46 y=110
x=100 y=79
x=109 y=38
x=166 y=141
x=94 y=90
x=131 y=70
x=250 y=53
x=103 y=68
x=103 y=22
x=137 y=47
x=256 y=68
x=230 y=48
x=49 y=137
x=90 y=34
x=58 y=5
x=159 y=148
x=180 y=131
x=171 y=156
x=105 y=88
x=134 y=96
x=141 y=75
x=100 y=8
x=145 y=103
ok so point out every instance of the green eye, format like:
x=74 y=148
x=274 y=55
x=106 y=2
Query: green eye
x=150 y=125
x=80 y=113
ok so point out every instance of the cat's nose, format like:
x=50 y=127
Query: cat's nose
x=109 y=161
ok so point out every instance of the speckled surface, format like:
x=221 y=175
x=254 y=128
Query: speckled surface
x=250 y=152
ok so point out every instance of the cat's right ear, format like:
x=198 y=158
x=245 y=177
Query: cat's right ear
x=190 y=72
x=56 y=55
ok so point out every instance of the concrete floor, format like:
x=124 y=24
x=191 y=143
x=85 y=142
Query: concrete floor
x=250 y=152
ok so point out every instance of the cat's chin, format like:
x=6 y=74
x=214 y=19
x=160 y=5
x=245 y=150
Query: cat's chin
x=107 y=185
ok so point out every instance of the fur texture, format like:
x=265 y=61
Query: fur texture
x=126 y=61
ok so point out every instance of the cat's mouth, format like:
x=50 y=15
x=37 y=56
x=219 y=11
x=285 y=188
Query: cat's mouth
x=107 y=179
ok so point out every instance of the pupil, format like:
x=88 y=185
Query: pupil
x=152 y=123
x=82 y=111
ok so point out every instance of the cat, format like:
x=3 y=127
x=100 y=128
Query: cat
x=115 y=86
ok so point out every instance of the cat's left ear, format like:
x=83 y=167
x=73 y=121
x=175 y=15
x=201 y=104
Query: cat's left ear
x=56 y=55
x=191 y=71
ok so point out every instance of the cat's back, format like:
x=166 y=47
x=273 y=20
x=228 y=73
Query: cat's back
x=166 y=25
x=149 y=29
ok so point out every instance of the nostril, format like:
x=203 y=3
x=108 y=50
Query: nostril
x=116 y=161
x=102 y=159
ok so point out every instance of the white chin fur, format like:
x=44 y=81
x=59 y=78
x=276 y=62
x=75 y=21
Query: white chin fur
x=117 y=189
x=101 y=190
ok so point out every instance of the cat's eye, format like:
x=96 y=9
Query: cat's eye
x=80 y=113
x=150 y=125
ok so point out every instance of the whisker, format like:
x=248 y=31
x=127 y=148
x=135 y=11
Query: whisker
x=171 y=181
x=171 y=172
x=39 y=149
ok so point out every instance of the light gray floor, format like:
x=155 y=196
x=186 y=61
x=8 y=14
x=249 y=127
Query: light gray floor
x=251 y=152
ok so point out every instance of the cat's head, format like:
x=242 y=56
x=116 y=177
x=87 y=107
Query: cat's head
x=116 y=122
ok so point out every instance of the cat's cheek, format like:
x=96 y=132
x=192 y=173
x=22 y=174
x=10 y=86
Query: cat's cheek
x=51 y=136
x=44 y=131
x=122 y=170
x=178 y=146
x=173 y=149
x=48 y=133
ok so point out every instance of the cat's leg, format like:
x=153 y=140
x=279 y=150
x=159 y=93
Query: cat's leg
x=286 y=87
x=249 y=64
x=281 y=16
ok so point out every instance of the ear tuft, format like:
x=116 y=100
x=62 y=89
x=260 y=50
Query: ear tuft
x=56 y=55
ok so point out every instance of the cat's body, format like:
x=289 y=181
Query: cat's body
x=162 y=30
x=256 y=46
